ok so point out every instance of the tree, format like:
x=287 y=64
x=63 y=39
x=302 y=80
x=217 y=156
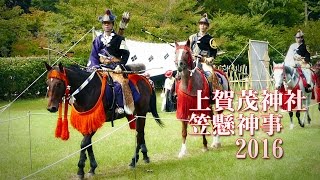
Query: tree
x=45 y=5
x=12 y=28
x=24 y=4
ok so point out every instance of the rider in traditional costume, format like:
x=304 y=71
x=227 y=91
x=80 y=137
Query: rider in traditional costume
x=299 y=57
x=109 y=50
x=204 y=49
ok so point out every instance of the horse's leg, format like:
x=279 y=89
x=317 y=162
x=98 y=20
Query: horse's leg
x=93 y=163
x=299 y=121
x=216 y=141
x=291 y=121
x=216 y=138
x=319 y=106
x=205 y=142
x=308 y=101
x=135 y=157
x=142 y=141
x=308 y=115
x=140 y=124
x=83 y=157
x=183 y=150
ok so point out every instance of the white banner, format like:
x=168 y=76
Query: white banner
x=158 y=57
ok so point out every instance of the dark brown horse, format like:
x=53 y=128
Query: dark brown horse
x=60 y=77
x=190 y=80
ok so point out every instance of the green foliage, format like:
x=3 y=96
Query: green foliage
x=24 y=4
x=233 y=32
x=228 y=6
x=45 y=5
x=12 y=28
x=16 y=74
x=233 y=24
x=19 y=73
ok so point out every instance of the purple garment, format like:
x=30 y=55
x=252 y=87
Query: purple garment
x=94 y=57
x=100 y=47
x=118 y=93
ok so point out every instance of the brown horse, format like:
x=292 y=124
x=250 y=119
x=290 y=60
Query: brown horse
x=190 y=80
x=59 y=78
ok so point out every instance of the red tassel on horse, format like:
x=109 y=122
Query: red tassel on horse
x=59 y=122
x=58 y=128
x=65 y=130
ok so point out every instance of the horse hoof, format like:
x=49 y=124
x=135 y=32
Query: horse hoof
x=132 y=165
x=90 y=175
x=216 y=145
x=205 y=149
x=80 y=177
x=146 y=160
x=181 y=154
x=302 y=125
x=291 y=126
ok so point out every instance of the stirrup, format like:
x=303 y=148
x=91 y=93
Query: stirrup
x=119 y=110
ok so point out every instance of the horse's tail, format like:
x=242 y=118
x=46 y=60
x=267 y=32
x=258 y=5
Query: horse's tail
x=153 y=108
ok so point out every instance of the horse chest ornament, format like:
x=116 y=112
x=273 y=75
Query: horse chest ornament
x=85 y=122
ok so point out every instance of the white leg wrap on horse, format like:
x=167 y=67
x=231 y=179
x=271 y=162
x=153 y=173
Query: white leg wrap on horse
x=183 y=151
x=216 y=142
x=291 y=125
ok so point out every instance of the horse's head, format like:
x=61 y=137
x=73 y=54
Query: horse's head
x=183 y=58
x=278 y=74
x=57 y=82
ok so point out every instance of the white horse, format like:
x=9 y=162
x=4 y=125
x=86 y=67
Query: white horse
x=290 y=76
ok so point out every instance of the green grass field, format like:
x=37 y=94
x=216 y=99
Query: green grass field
x=21 y=148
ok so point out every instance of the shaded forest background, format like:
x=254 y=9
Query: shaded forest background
x=26 y=26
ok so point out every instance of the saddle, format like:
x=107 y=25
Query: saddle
x=124 y=89
x=215 y=82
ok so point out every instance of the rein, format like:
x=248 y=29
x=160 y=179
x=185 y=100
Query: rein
x=284 y=76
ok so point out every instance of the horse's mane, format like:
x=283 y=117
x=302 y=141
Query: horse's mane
x=78 y=69
x=288 y=69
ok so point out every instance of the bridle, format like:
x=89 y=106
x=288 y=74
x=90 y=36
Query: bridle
x=190 y=65
x=283 y=71
x=63 y=77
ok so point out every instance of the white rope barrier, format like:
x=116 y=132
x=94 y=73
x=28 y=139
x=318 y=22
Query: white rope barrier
x=239 y=54
x=76 y=152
